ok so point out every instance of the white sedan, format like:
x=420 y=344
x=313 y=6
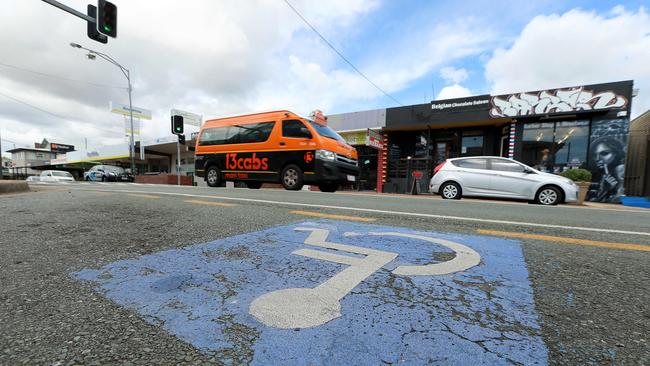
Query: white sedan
x=489 y=176
x=56 y=176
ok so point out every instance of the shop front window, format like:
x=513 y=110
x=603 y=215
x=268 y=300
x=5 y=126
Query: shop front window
x=471 y=143
x=571 y=140
x=555 y=146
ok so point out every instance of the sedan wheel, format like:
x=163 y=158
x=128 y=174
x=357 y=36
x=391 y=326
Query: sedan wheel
x=450 y=191
x=548 y=196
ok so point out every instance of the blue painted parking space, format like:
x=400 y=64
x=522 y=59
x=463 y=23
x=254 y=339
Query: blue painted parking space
x=332 y=292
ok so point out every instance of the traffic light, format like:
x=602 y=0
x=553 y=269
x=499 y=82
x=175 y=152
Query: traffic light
x=107 y=18
x=91 y=28
x=181 y=139
x=177 y=125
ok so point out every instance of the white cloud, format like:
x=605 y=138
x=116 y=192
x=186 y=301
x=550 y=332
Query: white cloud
x=213 y=58
x=453 y=91
x=575 y=48
x=453 y=75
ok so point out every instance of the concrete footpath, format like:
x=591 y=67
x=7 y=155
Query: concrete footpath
x=12 y=186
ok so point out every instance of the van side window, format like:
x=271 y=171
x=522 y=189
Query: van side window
x=258 y=132
x=214 y=136
x=295 y=128
x=239 y=134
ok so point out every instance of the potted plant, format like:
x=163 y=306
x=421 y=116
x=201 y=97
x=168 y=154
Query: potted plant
x=582 y=179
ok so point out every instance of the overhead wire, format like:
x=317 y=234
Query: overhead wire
x=54 y=114
x=339 y=53
x=98 y=85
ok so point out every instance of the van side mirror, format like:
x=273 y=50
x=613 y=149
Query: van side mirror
x=527 y=170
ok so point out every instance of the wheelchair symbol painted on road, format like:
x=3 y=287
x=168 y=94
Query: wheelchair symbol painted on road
x=309 y=307
x=329 y=292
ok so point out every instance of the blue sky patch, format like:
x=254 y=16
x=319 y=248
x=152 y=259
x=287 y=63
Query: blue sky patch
x=349 y=294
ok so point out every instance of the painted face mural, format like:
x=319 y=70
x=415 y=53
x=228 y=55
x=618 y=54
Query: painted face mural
x=607 y=153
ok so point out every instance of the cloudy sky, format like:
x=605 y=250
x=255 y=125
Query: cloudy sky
x=219 y=58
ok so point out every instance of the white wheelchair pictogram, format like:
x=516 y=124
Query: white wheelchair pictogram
x=309 y=307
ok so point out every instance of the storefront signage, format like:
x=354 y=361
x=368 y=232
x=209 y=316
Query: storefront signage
x=354 y=138
x=573 y=99
x=438 y=106
x=374 y=139
x=61 y=148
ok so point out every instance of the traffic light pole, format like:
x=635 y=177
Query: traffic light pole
x=68 y=9
x=178 y=163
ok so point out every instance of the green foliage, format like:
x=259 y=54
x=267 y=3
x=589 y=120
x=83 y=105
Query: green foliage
x=577 y=175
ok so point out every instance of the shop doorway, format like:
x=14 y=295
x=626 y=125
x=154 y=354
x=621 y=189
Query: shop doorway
x=367 y=168
x=505 y=140
x=445 y=147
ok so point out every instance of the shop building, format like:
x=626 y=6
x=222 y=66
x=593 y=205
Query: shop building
x=551 y=130
x=637 y=168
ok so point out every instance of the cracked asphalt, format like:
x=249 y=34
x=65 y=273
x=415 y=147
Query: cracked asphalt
x=588 y=305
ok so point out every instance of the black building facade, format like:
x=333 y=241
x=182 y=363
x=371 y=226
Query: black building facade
x=551 y=130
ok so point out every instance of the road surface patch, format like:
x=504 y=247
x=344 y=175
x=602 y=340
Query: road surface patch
x=335 y=292
x=142 y=195
x=333 y=217
x=211 y=203
x=561 y=239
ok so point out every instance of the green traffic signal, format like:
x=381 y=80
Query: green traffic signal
x=107 y=18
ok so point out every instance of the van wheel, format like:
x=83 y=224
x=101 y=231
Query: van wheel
x=254 y=185
x=328 y=187
x=450 y=191
x=212 y=176
x=292 y=177
x=548 y=196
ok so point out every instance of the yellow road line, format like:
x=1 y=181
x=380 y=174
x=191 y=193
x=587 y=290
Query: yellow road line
x=211 y=203
x=560 y=239
x=329 y=216
x=142 y=195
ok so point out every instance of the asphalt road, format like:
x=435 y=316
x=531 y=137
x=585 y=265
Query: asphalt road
x=133 y=274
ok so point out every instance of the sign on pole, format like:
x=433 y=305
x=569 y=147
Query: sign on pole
x=124 y=110
x=189 y=118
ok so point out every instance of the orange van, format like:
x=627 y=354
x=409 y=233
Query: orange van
x=275 y=147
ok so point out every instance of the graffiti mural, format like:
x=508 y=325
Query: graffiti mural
x=554 y=101
x=607 y=153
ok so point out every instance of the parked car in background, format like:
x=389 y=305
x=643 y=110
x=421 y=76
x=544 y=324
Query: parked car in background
x=56 y=176
x=490 y=176
x=108 y=173
x=33 y=178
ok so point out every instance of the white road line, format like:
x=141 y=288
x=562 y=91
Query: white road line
x=398 y=213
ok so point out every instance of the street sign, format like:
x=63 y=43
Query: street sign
x=124 y=110
x=335 y=292
x=188 y=117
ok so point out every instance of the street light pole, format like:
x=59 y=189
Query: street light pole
x=91 y=56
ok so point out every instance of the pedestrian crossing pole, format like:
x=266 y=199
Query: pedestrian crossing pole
x=178 y=163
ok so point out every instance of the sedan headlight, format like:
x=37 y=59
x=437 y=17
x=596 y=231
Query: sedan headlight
x=325 y=155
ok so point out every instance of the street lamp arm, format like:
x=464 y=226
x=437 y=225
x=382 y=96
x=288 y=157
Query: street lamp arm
x=108 y=58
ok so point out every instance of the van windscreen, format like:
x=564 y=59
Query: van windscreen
x=327 y=132
x=237 y=134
